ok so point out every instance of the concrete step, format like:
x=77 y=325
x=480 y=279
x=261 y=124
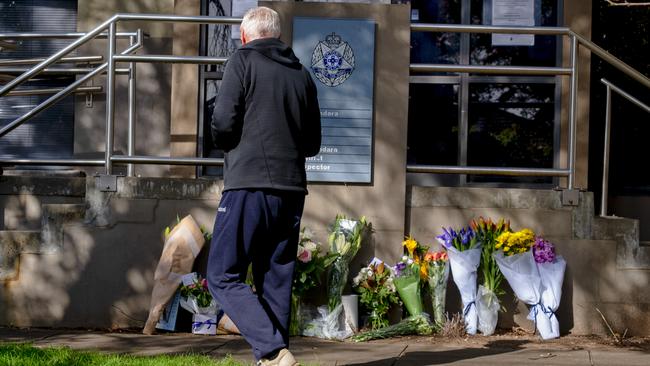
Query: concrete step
x=630 y=253
x=12 y=244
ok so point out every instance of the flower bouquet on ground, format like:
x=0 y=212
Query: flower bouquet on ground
x=198 y=301
x=487 y=300
x=464 y=251
x=375 y=285
x=344 y=240
x=407 y=282
x=437 y=275
x=516 y=261
x=310 y=267
x=551 y=271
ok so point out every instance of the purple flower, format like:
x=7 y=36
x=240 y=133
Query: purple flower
x=466 y=235
x=447 y=237
x=543 y=250
x=399 y=268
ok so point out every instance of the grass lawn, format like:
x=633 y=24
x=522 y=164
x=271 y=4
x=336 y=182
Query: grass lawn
x=22 y=354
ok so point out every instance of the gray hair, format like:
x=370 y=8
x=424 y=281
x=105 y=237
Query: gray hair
x=261 y=22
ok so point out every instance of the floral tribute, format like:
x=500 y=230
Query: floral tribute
x=437 y=264
x=311 y=265
x=464 y=250
x=487 y=303
x=535 y=274
x=377 y=289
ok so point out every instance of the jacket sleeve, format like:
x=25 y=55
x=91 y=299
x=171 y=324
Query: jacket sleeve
x=312 y=125
x=229 y=108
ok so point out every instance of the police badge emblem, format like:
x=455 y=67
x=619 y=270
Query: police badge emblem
x=332 y=60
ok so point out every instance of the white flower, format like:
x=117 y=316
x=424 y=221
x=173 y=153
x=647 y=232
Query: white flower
x=311 y=246
x=405 y=258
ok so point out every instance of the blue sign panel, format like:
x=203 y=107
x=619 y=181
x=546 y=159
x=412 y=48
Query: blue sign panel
x=340 y=54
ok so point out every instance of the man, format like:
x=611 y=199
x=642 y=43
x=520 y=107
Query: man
x=267 y=120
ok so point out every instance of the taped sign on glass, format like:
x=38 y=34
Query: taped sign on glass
x=339 y=53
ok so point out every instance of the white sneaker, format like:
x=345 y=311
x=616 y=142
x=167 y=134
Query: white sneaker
x=284 y=358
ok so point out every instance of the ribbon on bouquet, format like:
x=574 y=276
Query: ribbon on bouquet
x=468 y=307
x=534 y=311
x=209 y=323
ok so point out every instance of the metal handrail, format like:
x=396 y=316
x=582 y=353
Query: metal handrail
x=608 y=118
x=69 y=35
x=46 y=91
x=31 y=61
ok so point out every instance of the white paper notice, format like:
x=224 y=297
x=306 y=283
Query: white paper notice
x=239 y=8
x=513 y=13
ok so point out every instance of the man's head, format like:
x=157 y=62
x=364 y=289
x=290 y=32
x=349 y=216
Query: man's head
x=260 y=22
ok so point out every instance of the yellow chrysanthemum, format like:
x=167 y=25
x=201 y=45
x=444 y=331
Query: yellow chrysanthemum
x=424 y=272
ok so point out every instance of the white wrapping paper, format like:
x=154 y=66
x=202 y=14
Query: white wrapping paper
x=552 y=276
x=464 y=266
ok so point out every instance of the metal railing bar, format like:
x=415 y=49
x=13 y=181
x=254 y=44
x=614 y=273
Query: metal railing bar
x=457 y=28
x=612 y=60
x=177 y=18
x=165 y=160
x=29 y=92
x=60 y=35
x=484 y=69
x=446 y=169
x=69 y=48
x=132 y=95
x=56 y=71
x=201 y=60
x=110 y=96
x=68 y=162
x=626 y=95
x=604 y=194
x=63 y=93
x=30 y=61
x=8 y=45
x=573 y=102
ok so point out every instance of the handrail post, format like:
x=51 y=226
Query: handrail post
x=132 y=112
x=573 y=91
x=110 y=97
x=608 y=119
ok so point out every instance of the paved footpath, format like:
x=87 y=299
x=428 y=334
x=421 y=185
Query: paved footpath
x=501 y=350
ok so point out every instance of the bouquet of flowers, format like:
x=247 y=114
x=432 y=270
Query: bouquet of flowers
x=198 y=301
x=551 y=270
x=515 y=259
x=344 y=240
x=407 y=283
x=487 y=303
x=375 y=285
x=437 y=275
x=464 y=251
x=310 y=267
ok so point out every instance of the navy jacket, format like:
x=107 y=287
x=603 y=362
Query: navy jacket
x=266 y=118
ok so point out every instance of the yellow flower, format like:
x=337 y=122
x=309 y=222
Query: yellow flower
x=410 y=244
x=424 y=272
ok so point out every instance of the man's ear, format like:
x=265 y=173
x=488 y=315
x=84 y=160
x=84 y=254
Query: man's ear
x=242 y=36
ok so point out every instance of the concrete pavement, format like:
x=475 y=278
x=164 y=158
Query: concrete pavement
x=501 y=350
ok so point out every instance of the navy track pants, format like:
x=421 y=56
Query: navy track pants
x=259 y=227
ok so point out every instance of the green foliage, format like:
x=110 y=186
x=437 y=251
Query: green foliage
x=487 y=232
x=377 y=293
x=27 y=355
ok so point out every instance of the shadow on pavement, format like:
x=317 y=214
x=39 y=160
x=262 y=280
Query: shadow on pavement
x=420 y=358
